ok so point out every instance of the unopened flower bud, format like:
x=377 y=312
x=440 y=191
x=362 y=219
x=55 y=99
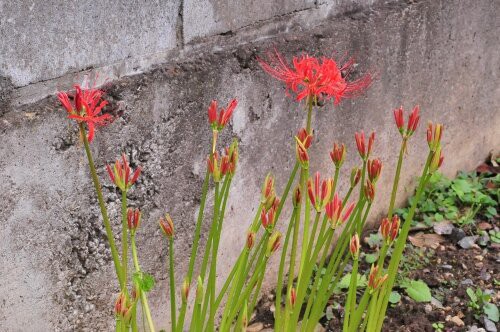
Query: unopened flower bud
x=338 y=154
x=394 y=227
x=437 y=160
x=363 y=149
x=301 y=153
x=354 y=246
x=268 y=192
x=385 y=228
x=319 y=192
x=268 y=217
x=133 y=219
x=399 y=119
x=273 y=243
x=434 y=134
x=297 y=196
x=374 y=280
x=167 y=226
x=121 y=174
x=293 y=297
x=355 y=176
x=185 y=289
x=305 y=138
x=220 y=121
x=374 y=167
x=214 y=166
x=250 y=240
x=123 y=308
x=369 y=190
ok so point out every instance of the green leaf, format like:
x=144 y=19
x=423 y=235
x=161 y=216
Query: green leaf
x=472 y=294
x=346 y=280
x=374 y=240
x=371 y=258
x=491 y=311
x=417 y=290
x=395 y=297
x=491 y=211
x=438 y=217
x=145 y=281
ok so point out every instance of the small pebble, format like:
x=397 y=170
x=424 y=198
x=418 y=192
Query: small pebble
x=457 y=321
x=255 y=327
x=489 y=325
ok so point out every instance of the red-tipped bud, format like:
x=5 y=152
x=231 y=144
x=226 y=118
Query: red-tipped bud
x=267 y=218
x=437 y=160
x=355 y=176
x=185 y=289
x=250 y=240
x=399 y=119
x=374 y=280
x=434 y=134
x=297 y=196
x=218 y=122
x=385 y=228
x=354 y=246
x=123 y=308
x=347 y=212
x=273 y=243
x=167 y=226
x=121 y=174
x=301 y=153
x=371 y=140
x=305 y=138
x=268 y=192
x=338 y=154
x=369 y=190
x=363 y=149
x=133 y=219
x=413 y=120
x=394 y=228
x=320 y=192
x=374 y=167
x=293 y=297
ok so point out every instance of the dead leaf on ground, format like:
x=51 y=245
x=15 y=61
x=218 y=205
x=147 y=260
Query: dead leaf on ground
x=423 y=240
x=484 y=226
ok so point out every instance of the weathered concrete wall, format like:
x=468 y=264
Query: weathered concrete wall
x=54 y=260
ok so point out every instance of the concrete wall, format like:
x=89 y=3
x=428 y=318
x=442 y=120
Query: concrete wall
x=54 y=259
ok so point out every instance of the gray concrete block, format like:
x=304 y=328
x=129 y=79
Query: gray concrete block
x=41 y=40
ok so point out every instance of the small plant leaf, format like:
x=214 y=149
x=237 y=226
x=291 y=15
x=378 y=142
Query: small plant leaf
x=144 y=280
x=371 y=258
x=346 y=280
x=417 y=290
x=491 y=311
x=395 y=297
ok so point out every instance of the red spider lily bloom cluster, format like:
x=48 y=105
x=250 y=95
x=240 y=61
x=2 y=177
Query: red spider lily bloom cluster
x=363 y=149
x=273 y=243
x=374 y=167
x=167 y=226
x=121 y=174
x=319 y=79
x=133 y=219
x=319 y=193
x=354 y=246
x=338 y=154
x=303 y=143
x=412 y=121
x=389 y=229
x=225 y=165
x=88 y=105
x=374 y=280
x=334 y=211
x=219 y=121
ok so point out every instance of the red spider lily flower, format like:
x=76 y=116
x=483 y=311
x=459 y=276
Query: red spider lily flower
x=338 y=154
x=121 y=174
x=293 y=297
x=437 y=160
x=374 y=280
x=273 y=243
x=434 y=134
x=250 y=240
x=374 y=167
x=363 y=150
x=133 y=219
x=369 y=190
x=297 y=196
x=355 y=176
x=268 y=196
x=219 y=122
x=185 y=289
x=268 y=218
x=88 y=105
x=167 y=226
x=334 y=211
x=314 y=79
x=319 y=194
x=412 y=121
x=354 y=246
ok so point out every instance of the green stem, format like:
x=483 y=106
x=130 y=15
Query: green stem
x=396 y=177
x=124 y=240
x=171 y=272
x=102 y=206
x=351 y=295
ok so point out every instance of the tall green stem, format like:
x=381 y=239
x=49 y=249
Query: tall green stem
x=171 y=272
x=396 y=177
x=124 y=241
x=102 y=206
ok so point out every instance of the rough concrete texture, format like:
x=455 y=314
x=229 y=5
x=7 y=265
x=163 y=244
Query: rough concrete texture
x=55 y=263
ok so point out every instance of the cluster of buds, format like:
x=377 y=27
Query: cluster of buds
x=319 y=193
x=412 y=121
x=364 y=149
x=268 y=196
x=250 y=240
x=273 y=243
x=354 y=246
x=218 y=122
x=167 y=226
x=355 y=176
x=437 y=160
x=133 y=219
x=434 y=134
x=297 y=197
x=124 y=307
x=374 y=280
x=369 y=190
x=374 y=167
x=338 y=155
x=121 y=174
x=185 y=289
x=390 y=228
x=303 y=143
x=220 y=167
x=334 y=211
x=268 y=216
